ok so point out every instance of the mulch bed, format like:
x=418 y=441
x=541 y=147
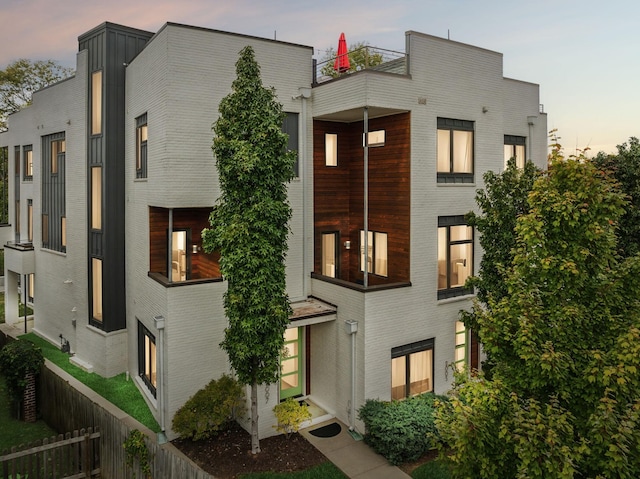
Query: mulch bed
x=229 y=454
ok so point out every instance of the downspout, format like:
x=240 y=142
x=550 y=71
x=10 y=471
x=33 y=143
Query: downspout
x=352 y=328
x=159 y=320
x=366 y=198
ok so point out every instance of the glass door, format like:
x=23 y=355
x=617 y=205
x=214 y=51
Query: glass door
x=291 y=364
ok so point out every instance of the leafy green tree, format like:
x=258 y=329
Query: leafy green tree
x=625 y=167
x=360 y=55
x=249 y=227
x=21 y=78
x=504 y=199
x=564 y=401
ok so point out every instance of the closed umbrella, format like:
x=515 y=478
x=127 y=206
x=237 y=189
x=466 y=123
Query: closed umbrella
x=341 y=63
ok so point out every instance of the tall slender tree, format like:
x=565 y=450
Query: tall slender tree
x=249 y=227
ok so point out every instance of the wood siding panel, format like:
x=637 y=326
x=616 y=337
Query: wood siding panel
x=339 y=194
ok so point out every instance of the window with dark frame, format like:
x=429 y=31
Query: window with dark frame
x=30 y=220
x=412 y=369
x=141 y=146
x=147 y=363
x=515 y=147
x=376 y=258
x=455 y=151
x=455 y=256
x=27 y=154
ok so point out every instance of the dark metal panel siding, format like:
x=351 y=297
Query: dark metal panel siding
x=53 y=192
x=111 y=48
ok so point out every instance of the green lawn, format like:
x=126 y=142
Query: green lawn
x=325 y=470
x=431 y=470
x=124 y=394
x=16 y=432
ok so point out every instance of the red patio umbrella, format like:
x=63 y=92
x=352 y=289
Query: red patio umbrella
x=341 y=64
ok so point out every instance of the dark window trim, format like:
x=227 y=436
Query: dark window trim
x=290 y=124
x=447 y=222
x=143 y=332
x=373 y=253
x=141 y=148
x=411 y=348
x=25 y=149
x=451 y=176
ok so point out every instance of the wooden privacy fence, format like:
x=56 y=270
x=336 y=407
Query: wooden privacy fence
x=72 y=456
x=67 y=405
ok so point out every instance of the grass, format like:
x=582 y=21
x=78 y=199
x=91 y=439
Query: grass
x=118 y=390
x=325 y=470
x=431 y=470
x=15 y=432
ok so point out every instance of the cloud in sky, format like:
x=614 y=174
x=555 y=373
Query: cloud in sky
x=583 y=56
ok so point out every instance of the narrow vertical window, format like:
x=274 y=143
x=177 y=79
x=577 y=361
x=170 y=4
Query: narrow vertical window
x=96 y=288
x=329 y=256
x=290 y=127
x=96 y=102
x=27 y=153
x=45 y=231
x=63 y=231
x=96 y=198
x=16 y=161
x=331 y=149
x=141 y=146
x=147 y=363
x=17 y=219
x=30 y=220
x=31 y=282
x=58 y=149
x=460 y=354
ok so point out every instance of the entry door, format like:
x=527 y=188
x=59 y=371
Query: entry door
x=291 y=364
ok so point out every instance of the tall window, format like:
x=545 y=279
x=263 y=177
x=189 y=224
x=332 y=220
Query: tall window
x=16 y=161
x=455 y=256
x=96 y=197
x=180 y=255
x=63 y=229
x=96 y=289
x=455 y=151
x=45 y=231
x=31 y=282
x=330 y=254
x=141 y=146
x=460 y=352
x=30 y=220
x=331 y=149
x=290 y=127
x=96 y=102
x=27 y=154
x=147 y=365
x=376 y=256
x=514 y=147
x=412 y=369
x=17 y=230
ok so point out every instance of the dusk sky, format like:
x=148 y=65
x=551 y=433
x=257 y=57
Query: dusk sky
x=584 y=54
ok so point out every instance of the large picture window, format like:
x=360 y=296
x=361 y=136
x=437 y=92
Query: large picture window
x=141 y=146
x=455 y=256
x=412 y=369
x=515 y=147
x=147 y=363
x=376 y=255
x=455 y=144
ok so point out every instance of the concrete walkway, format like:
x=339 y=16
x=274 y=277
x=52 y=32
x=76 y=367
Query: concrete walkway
x=354 y=458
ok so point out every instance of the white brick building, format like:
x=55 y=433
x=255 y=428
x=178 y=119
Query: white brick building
x=113 y=178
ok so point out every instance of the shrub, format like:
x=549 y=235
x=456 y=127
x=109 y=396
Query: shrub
x=290 y=414
x=210 y=410
x=401 y=431
x=18 y=358
x=136 y=449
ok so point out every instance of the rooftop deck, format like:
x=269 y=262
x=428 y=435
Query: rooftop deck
x=364 y=58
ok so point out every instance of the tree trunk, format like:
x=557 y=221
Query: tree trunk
x=255 y=440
